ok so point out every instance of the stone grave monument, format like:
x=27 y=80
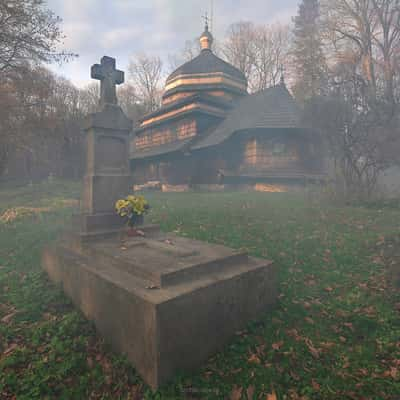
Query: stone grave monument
x=165 y=301
x=107 y=176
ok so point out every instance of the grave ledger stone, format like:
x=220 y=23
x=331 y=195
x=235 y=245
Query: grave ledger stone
x=165 y=301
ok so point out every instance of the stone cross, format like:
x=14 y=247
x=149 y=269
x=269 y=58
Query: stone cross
x=109 y=77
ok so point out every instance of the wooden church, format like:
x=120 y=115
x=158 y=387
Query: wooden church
x=210 y=131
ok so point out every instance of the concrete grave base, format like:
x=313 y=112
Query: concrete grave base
x=165 y=301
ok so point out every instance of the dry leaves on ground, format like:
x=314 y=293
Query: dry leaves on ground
x=12 y=214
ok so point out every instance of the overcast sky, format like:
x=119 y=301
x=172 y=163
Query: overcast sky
x=121 y=28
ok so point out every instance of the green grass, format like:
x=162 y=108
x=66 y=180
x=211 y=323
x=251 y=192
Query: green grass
x=335 y=333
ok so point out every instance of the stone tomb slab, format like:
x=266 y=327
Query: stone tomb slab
x=165 y=301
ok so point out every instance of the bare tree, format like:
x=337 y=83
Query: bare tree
x=130 y=103
x=362 y=38
x=271 y=45
x=351 y=24
x=29 y=33
x=239 y=47
x=145 y=74
x=191 y=50
x=387 y=38
x=89 y=98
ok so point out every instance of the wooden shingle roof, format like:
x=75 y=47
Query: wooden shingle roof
x=205 y=63
x=272 y=108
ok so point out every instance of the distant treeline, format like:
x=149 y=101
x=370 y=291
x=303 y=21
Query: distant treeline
x=339 y=58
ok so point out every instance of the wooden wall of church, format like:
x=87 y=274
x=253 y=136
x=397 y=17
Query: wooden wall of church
x=277 y=153
x=262 y=153
x=173 y=169
x=162 y=135
x=271 y=154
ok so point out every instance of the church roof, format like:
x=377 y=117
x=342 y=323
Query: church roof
x=272 y=108
x=197 y=97
x=205 y=63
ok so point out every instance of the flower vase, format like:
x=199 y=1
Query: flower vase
x=135 y=221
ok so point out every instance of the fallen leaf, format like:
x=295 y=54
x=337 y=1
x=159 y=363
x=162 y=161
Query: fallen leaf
x=346 y=363
x=254 y=359
x=328 y=289
x=152 y=287
x=250 y=392
x=328 y=345
x=294 y=334
x=369 y=311
x=307 y=305
x=41 y=349
x=381 y=241
x=236 y=393
x=342 y=339
x=314 y=351
x=349 y=325
x=272 y=396
x=309 y=320
x=294 y=376
x=236 y=371
x=278 y=345
x=8 y=317
x=260 y=349
x=363 y=372
x=10 y=349
x=311 y=282
x=316 y=386
x=392 y=373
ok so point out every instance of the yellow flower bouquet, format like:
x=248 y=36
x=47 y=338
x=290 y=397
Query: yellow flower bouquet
x=133 y=208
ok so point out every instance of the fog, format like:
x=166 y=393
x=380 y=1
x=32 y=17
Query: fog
x=199 y=206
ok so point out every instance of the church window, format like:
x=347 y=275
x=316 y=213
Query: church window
x=278 y=149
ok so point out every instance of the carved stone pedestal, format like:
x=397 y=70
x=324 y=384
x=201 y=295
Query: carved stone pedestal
x=166 y=302
x=108 y=177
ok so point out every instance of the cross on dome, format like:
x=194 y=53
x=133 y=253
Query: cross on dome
x=206 y=39
x=206 y=20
